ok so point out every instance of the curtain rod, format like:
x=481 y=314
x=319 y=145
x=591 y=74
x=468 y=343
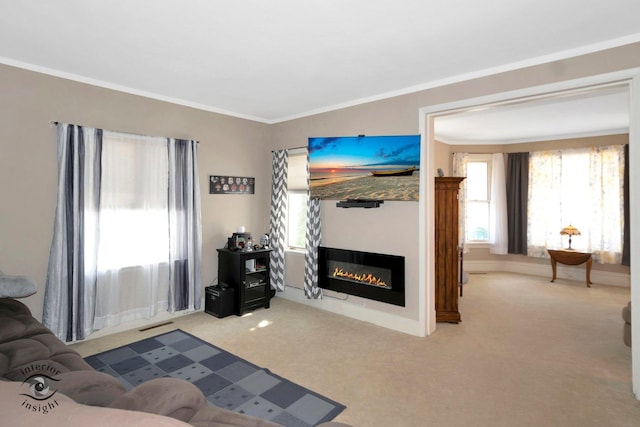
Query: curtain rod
x=55 y=123
x=292 y=148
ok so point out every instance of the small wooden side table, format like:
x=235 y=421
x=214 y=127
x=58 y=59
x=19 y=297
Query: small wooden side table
x=569 y=257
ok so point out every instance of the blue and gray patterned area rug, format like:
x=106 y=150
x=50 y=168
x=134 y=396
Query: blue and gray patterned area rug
x=225 y=379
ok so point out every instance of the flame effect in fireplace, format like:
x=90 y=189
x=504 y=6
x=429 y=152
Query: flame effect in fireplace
x=368 y=278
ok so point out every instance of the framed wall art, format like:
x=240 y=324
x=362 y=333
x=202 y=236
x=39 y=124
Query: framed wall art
x=226 y=184
x=383 y=167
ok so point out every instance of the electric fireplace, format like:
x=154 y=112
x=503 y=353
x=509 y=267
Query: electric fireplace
x=378 y=277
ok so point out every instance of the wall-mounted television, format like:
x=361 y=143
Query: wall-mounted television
x=365 y=167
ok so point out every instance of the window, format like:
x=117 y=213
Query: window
x=297 y=200
x=475 y=196
x=297 y=219
x=137 y=233
x=478 y=198
x=134 y=203
x=582 y=187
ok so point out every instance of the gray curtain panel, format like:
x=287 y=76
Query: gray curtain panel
x=277 y=218
x=185 y=230
x=626 y=242
x=312 y=241
x=71 y=276
x=517 y=201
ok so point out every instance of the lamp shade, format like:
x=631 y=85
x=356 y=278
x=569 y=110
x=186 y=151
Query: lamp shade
x=570 y=230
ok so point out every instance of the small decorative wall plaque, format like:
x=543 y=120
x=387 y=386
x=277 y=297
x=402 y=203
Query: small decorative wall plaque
x=225 y=184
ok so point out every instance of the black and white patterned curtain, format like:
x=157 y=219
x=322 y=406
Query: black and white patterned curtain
x=277 y=220
x=312 y=241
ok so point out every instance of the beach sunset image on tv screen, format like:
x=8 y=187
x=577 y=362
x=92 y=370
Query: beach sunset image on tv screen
x=365 y=167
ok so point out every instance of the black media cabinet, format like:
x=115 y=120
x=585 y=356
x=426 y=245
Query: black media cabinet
x=247 y=272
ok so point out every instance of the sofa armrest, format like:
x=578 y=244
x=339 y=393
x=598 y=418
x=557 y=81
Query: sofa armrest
x=213 y=416
x=17 y=409
x=172 y=397
x=90 y=387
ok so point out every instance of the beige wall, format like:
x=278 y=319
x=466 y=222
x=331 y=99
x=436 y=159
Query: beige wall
x=28 y=169
x=443 y=159
x=389 y=229
x=228 y=146
x=592 y=141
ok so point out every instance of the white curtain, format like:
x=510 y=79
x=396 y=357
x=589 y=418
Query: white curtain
x=605 y=232
x=544 y=219
x=498 y=207
x=133 y=270
x=582 y=187
x=460 y=169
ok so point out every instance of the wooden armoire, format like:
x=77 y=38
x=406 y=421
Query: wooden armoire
x=446 y=240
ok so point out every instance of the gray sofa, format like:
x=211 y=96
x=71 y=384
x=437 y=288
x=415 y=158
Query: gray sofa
x=33 y=362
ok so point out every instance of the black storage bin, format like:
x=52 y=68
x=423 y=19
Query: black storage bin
x=219 y=301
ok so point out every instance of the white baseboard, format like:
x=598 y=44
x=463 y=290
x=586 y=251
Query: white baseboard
x=353 y=310
x=576 y=273
x=160 y=317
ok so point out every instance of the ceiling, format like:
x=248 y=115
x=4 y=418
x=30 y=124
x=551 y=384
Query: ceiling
x=277 y=60
x=595 y=112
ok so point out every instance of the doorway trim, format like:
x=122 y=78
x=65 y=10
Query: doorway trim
x=427 y=115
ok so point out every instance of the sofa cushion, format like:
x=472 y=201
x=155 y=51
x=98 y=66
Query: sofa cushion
x=25 y=345
x=165 y=396
x=16 y=286
x=90 y=387
x=17 y=321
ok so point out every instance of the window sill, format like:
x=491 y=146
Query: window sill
x=477 y=245
x=296 y=251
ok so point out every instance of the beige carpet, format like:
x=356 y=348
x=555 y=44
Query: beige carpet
x=527 y=353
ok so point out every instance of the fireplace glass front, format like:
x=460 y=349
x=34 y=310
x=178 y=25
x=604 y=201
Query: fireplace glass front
x=369 y=275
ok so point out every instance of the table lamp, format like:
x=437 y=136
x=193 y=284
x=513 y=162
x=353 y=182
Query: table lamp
x=569 y=230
